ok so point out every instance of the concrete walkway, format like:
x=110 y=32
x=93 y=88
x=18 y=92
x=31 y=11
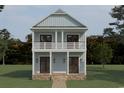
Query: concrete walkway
x=59 y=82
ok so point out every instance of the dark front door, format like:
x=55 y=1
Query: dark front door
x=73 y=64
x=44 y=64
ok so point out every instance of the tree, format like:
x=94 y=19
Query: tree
x=1 y=7
x=109 y=32
x=4 y=36
x=13 y=54
x=92 y=41
x=102 y=53
x=118 y=13
x=116 y=33
x=29 y=38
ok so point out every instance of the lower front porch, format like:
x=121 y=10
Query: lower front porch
x=47 y=76
x=48 y=65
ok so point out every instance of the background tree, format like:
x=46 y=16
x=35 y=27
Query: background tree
x=116 y=32
x=1 y=7
x=28 y=47
x=92 y=41
x=13 y=54
x=29 y=38
x=18 y=52
x=4 y=37
x=118 y=13
x=102 y=53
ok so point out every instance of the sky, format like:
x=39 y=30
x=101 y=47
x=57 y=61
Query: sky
x=19 y=19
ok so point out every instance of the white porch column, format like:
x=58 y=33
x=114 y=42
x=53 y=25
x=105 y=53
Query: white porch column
x=33 y=55
x=67 y=62
x=85 y=41
x=56 y=39
x=62 y=39
x=33 y=63
x=85 y=73
x=50 y=63
x=32 y=40
x=85 y=53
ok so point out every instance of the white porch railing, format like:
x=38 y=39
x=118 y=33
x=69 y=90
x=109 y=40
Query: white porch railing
x=59 y=45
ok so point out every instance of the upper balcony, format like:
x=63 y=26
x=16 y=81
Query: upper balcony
x=59 y=40
x=59 y=45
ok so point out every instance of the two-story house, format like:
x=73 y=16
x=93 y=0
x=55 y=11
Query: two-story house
x=59 y=47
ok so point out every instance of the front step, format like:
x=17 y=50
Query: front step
x=59 y=76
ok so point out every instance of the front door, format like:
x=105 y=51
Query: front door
x=73 y=64
x=44 y=64
x=59 y=62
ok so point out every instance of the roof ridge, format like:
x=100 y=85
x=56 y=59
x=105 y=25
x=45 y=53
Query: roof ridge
x=59 y=11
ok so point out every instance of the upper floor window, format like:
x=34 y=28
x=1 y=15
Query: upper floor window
x=72 y=38
x=45 y=38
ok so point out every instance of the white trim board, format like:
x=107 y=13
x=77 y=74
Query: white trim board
x=58 y=28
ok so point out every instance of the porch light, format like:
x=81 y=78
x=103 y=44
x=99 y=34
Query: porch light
x=36 y=60
x=81 y=60
x=64 y=60
x=54 y=60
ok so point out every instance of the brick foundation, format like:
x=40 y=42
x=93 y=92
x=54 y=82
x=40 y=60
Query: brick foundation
x=41 y=77
x=65 y=76
x=76 y=77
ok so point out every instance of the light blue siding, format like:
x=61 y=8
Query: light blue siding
x=59 y=38
x=82 y=63
x=59 y=61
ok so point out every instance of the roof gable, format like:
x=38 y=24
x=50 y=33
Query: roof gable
x=59 y=19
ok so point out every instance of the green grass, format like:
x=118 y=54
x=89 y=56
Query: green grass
x=110 y=77
x=19 y=76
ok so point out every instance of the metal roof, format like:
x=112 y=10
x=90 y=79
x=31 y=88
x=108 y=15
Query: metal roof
x=59 y=19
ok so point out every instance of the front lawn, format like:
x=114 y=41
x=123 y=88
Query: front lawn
x=19 y=76
x=110 y=77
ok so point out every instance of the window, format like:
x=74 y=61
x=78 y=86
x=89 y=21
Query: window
x=45 y=38
x=72 y=38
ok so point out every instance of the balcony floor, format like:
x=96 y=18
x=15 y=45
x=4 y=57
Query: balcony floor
x=58 y=50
